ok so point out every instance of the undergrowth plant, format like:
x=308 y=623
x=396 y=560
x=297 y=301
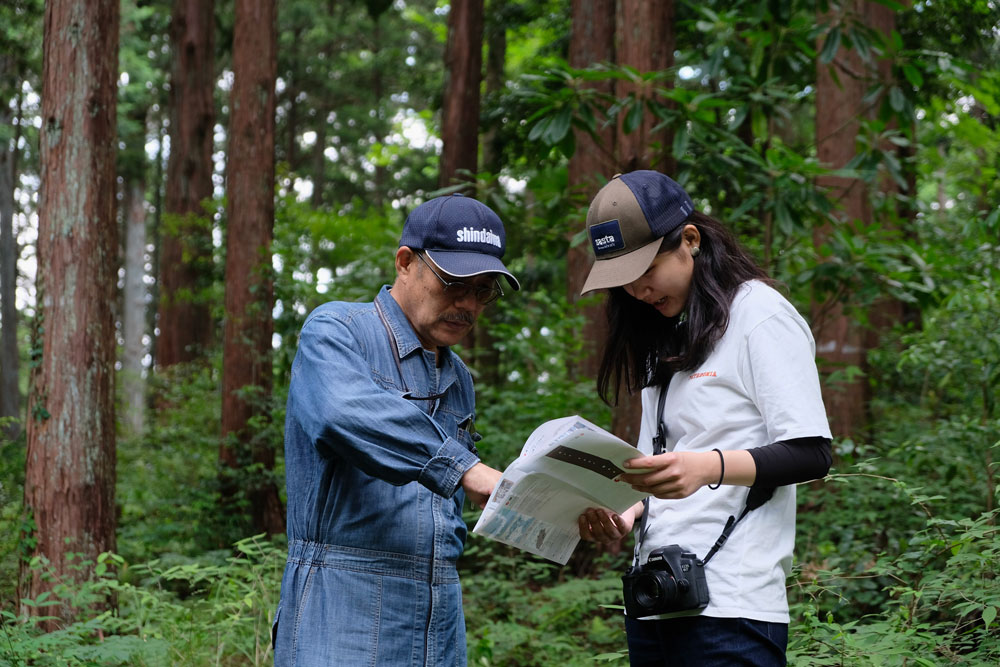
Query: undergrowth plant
x=211 y=611
x=941 y=597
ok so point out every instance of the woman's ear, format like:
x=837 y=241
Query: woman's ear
x=691 y=237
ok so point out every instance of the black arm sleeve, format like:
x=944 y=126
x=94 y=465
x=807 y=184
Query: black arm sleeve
x=792 y=461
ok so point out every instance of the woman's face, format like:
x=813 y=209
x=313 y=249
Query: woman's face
x=667 y=282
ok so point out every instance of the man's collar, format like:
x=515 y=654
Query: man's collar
x=404 y=337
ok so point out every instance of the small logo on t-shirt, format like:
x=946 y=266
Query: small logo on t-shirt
x=706 y=374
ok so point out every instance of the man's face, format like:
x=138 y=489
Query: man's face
x=439 y=319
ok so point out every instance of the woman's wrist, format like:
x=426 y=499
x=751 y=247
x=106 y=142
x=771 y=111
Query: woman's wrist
x=734 y=467
x=722 y=470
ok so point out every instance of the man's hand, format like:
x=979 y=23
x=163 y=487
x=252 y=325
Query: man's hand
x=478 y=482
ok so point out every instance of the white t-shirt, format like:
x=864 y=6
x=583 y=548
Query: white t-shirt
x=759 y=385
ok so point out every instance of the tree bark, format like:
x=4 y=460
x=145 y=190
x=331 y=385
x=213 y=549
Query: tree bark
x=495 y=30
x=186 y=253
x=70 y=470
x=246 y=359
x=134 y=310
x=646 y=42
x=592 y=41
x=841 y=340
x=463 y=72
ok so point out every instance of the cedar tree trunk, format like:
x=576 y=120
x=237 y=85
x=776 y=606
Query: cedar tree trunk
x=463 y=71
x=186 y=235
x=592 y=41
x=841 y=341
x=70 y=472
x=246 y=358
x=645 y=42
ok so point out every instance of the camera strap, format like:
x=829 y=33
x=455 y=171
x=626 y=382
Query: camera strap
x=659 y=444
x=756 y=496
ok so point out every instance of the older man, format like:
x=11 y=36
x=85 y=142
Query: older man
x=380 y=453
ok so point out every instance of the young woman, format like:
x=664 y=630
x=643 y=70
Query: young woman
x=692 y=315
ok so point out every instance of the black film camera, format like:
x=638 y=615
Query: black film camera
x=671 y=580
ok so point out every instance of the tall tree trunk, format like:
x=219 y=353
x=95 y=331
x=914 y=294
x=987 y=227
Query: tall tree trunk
x=496 y=62
x=481 y=342
x=592 y=41
x=134 y=309
x=645 y=42
x=463 y=64
x=246 y=358
x=463 y=72
x=70 y=471
x=841 y=340
x=186 y=255
x=10 y=393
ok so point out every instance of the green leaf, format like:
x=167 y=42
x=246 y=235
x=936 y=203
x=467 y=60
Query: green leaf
x=989 y=615
x=540 y=128
x=913 y=75
x=830 y=46
x=896 y=99
x=558 y=126
x=681 y=137
x=634 y=117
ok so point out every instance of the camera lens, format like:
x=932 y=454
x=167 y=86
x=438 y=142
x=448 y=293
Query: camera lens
x=654 y=588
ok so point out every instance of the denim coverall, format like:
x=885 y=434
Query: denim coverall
x=377 y=438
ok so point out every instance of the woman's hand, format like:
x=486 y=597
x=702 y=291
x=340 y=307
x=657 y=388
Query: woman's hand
x=604 y=526
x=674 y=474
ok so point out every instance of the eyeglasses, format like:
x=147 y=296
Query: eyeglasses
x=459 y=289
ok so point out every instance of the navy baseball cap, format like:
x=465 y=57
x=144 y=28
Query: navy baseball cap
x=462 y=235
x=626 y=222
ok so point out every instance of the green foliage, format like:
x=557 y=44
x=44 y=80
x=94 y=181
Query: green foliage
x=12 y=458
x=167 y=479
x=216 y=609
x=143 y=63
x=321 y=256
x=535 y=338
x=170 y=478
x=21 y=35
x=513 y=620
x=942 y=599
x=350 y=75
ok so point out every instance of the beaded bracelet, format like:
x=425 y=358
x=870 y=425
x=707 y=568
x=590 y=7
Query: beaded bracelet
x=722 y=474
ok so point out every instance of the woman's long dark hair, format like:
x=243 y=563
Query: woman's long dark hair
x=644 y=347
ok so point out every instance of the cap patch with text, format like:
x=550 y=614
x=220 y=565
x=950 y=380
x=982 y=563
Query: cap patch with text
x=607 y=237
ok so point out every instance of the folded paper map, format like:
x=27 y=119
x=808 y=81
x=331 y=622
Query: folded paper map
x=565 y=466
